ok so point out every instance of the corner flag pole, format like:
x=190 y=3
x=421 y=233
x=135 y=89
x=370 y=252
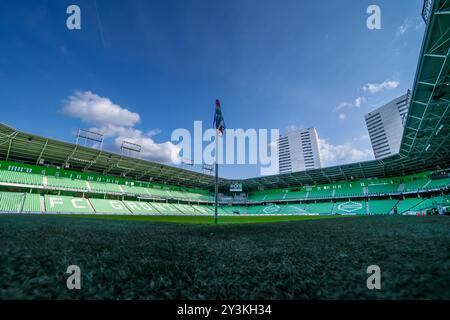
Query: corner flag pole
x=216 y=171
x=219 y=125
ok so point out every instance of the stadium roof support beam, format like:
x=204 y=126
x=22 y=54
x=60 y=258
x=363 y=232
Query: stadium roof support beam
x=89 y=165
x=10 y=143
x=70 y=156
x=42 y=152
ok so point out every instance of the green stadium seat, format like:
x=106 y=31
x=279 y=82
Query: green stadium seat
x=298 y=195
x=381 y=206
x=414 y=185
x=66 y=183
x=407 y=204
x=135 y=190
x=11 y=202
x=269 y=209
x=32 y=203
x=428 y=203
x=348 y=190
x=383 y=188
x=159 y=193
x=203 y=209
x=220 y=209
x=234 y=209
x=165 y=208
x=275 y=196
x=140 y=207
x=65 y=204
x=257 y=197
x=187 y=195
x=294 y=209
x=438 y=183
x=108 y=206
x=320 y=207
x=186 y=209
x=104 y=187
x=21 y=178
x=319 y=192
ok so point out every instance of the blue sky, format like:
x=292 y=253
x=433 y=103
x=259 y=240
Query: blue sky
x=274 y=64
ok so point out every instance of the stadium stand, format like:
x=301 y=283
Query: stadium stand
x=438 y=183
x=107 y=206
x=281 y=199
x=269 y=209
x=257 y=197
x=276 y=196
x=11 y=202
x=319 y=192
x=66 y=183
x=407 y=204
x=135 y=190
x=183 y=195
x=348 y=190
x=21 y=178
x=203 y=209
x=297 y=195
x=320 y=207
x=14 y=202
x=415 y=185
x=32 y=203
x=140 y=207
x=233 y=209
x=103 y=187
x=381 y=206
x=66 y=204
x=186 y=209
x=158 y=193
x=166 y=208
x=294 y=209
x=383 y=188
x=428 y=203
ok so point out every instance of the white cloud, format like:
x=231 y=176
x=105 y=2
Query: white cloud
x=364 y=137
x=97 y=110
x=165 y=152
x=402 y=29
x=292 y=127
x=117 y=123
x=342 y=153
x=342 y=116
x=377 y=87
x=355 y=104
x=407 y=25
x=358 y=101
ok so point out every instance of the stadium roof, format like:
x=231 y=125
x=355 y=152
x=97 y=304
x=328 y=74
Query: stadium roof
x=425 y=143
x=29 y=148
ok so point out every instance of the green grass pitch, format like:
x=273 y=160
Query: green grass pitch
x=138 y=257
x=206 y=219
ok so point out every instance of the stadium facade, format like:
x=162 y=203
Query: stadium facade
x=39 y=174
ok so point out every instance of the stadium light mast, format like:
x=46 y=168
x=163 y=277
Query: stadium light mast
x=94 y=139
x=130 y=149
x=219 y=124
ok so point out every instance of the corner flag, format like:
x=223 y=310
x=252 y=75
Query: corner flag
x=219 y=121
